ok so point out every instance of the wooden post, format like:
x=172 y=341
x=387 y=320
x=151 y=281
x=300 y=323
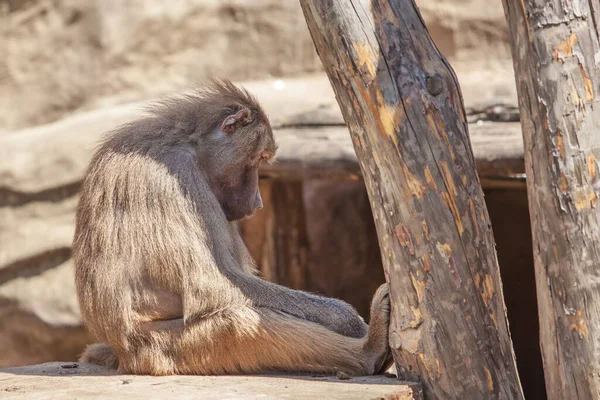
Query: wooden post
x=404 y=110
x=277 y=236
x=290 y=240
x=556 y=57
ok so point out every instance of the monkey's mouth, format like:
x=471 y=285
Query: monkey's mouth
x=236 y=214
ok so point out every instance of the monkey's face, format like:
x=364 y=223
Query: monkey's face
x=243 y=198
x=244 y=142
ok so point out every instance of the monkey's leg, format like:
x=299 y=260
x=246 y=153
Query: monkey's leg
x=247 y=340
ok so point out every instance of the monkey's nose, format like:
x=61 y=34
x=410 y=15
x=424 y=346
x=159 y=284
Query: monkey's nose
x=258 y=204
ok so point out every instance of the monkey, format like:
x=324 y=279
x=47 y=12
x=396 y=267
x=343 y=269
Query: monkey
x=164 y=280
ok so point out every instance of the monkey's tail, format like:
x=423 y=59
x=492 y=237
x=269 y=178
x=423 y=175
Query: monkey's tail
x=100 y=354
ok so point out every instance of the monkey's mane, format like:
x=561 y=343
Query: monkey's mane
x=206 y=106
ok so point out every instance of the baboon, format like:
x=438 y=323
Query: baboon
x=163 y=278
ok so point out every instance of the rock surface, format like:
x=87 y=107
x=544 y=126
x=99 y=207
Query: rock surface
x=60 y=55
x=57 y=56
x=86 y=381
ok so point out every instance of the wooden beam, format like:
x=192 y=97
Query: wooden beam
x=327 y=153
x=556 y=50
x=404 y=110
x=49 y=161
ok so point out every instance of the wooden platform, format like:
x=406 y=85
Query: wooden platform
x=85 y=381
x=326 y=152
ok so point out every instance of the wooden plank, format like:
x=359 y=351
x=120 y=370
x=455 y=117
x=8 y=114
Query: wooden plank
x=87 y=381
x=277 y=236
x=405 y=114
x=328 y=153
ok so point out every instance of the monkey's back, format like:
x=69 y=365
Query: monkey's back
x=135 y=227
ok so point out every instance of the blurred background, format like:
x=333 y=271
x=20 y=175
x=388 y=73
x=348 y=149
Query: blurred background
x=72 y=69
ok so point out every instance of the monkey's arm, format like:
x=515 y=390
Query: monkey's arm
x=215 y=258
x=334 y=314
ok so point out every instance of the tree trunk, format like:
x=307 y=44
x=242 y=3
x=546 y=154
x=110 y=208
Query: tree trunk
x=557 y=67
x=404 y=110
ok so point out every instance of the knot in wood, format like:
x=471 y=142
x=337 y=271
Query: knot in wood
x=434 y=85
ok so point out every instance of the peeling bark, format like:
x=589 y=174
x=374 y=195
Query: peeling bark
x=556 y=54
x=404 y=110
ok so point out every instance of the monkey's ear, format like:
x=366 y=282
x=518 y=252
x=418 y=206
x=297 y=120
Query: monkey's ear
x=235 y=121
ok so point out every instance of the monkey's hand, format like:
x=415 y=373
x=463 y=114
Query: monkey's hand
x=340 y=317
x=334 y=314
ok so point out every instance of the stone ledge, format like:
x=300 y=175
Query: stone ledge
x=87 y=381
x=48 y=162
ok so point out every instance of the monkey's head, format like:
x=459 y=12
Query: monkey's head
x=231 y=149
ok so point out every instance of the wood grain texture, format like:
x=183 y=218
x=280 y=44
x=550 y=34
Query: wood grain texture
x=58 y=380
x=404 y=110
x=327 y=152
x=556 y=56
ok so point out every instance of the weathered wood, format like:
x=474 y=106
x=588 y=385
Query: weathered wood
x=289 y=236
x=281 y=251
x=257 y=233
x=327 y=153
x=344 y=258
x=313 y=153
x=57 y=380
x=509 y=212
x=404 y=111
x=556 y=54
